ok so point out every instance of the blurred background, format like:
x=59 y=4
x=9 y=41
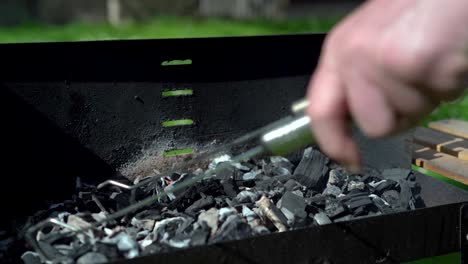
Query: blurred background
x=87 y=20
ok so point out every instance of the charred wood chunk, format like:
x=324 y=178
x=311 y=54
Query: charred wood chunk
x=312 y=170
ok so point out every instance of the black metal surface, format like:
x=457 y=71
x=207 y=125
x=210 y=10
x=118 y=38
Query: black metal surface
x=86 y=109
x=464 y=234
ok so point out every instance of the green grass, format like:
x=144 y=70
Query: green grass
x=456 y=109
x=445 y=259
x=162 y=27
x=187 y=27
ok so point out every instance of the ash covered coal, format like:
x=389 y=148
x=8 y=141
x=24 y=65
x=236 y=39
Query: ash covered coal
x=247 y=199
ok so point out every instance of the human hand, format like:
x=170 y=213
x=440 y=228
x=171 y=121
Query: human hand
x=387 y=65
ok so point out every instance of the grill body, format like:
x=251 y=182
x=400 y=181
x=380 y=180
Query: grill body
x=96 y=109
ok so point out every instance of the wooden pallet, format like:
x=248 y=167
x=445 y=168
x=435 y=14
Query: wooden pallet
x=443 y=148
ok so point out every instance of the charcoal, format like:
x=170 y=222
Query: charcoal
x=193 y=193
x=273 y=213
x=385 y=185
x=170 y=227
x=243 y=199
x=381 y=204
x=31 y=258
x=336 y=178
x=332 y=190
x=247 y=197
x=360 y=211
x=260 y=230
x=356 y=185
x=245 y=167
x=125 y=244
x=252 y=175
x=202 y=203
x=405 y=193
x=179 y=241
x=291 y=185
x=396 y=174
x=146 y=224
x=151 y=214
x=282 y=162
x=293 y=207
x=219 y=160
x=312 y=170
x=322 y=219
x=343 y=218
x=91 y=258
x=199 y=237
x=248 y=214
x=358 y=202
x=392 y=197
x=210 y=218
x=234 y=228
x=225 y=212
x=173 y=195
x=334 y=208
x=156 y=248
x=354 y=194
x=108 y=250
x=229 y=187
x=226 y=173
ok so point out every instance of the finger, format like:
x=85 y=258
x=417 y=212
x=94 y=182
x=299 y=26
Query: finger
x=368 y=105
x=328 y=112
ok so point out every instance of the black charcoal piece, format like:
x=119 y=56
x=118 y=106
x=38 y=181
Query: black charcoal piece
x=384 y=186
x=354 y=194
x=356 y=185
x=170 y=227
x=234 y=228
x=405 y=193
x=343 y=218
x=360 y=211
x=156 y=248
x=251 y=175
x=291 y=185
x=146 y=224
x=396 y=174
x=392 y=197
x=248 y=214
x=312 y=170
x=92 y=258
x=219 y=160
x=108 y=250
x=229 y=187
x=31 y=258
x=243 y=166
x=322 y=219
x=381 y=204
x=358 y=202
x=124 y=243
x=293 y=207
x=247 y=197
x=203 y=203
x=334 y=208
x=225 y=212
x=282 y=162
x=199 y=237
x=317 y=199
x=337 y=177
x=332 y=190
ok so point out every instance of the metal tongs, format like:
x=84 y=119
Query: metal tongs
x=278 y=138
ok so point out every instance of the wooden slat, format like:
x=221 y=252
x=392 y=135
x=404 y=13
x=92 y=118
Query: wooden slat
x=454 y=127
x=441 y=163
x=442 y=142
